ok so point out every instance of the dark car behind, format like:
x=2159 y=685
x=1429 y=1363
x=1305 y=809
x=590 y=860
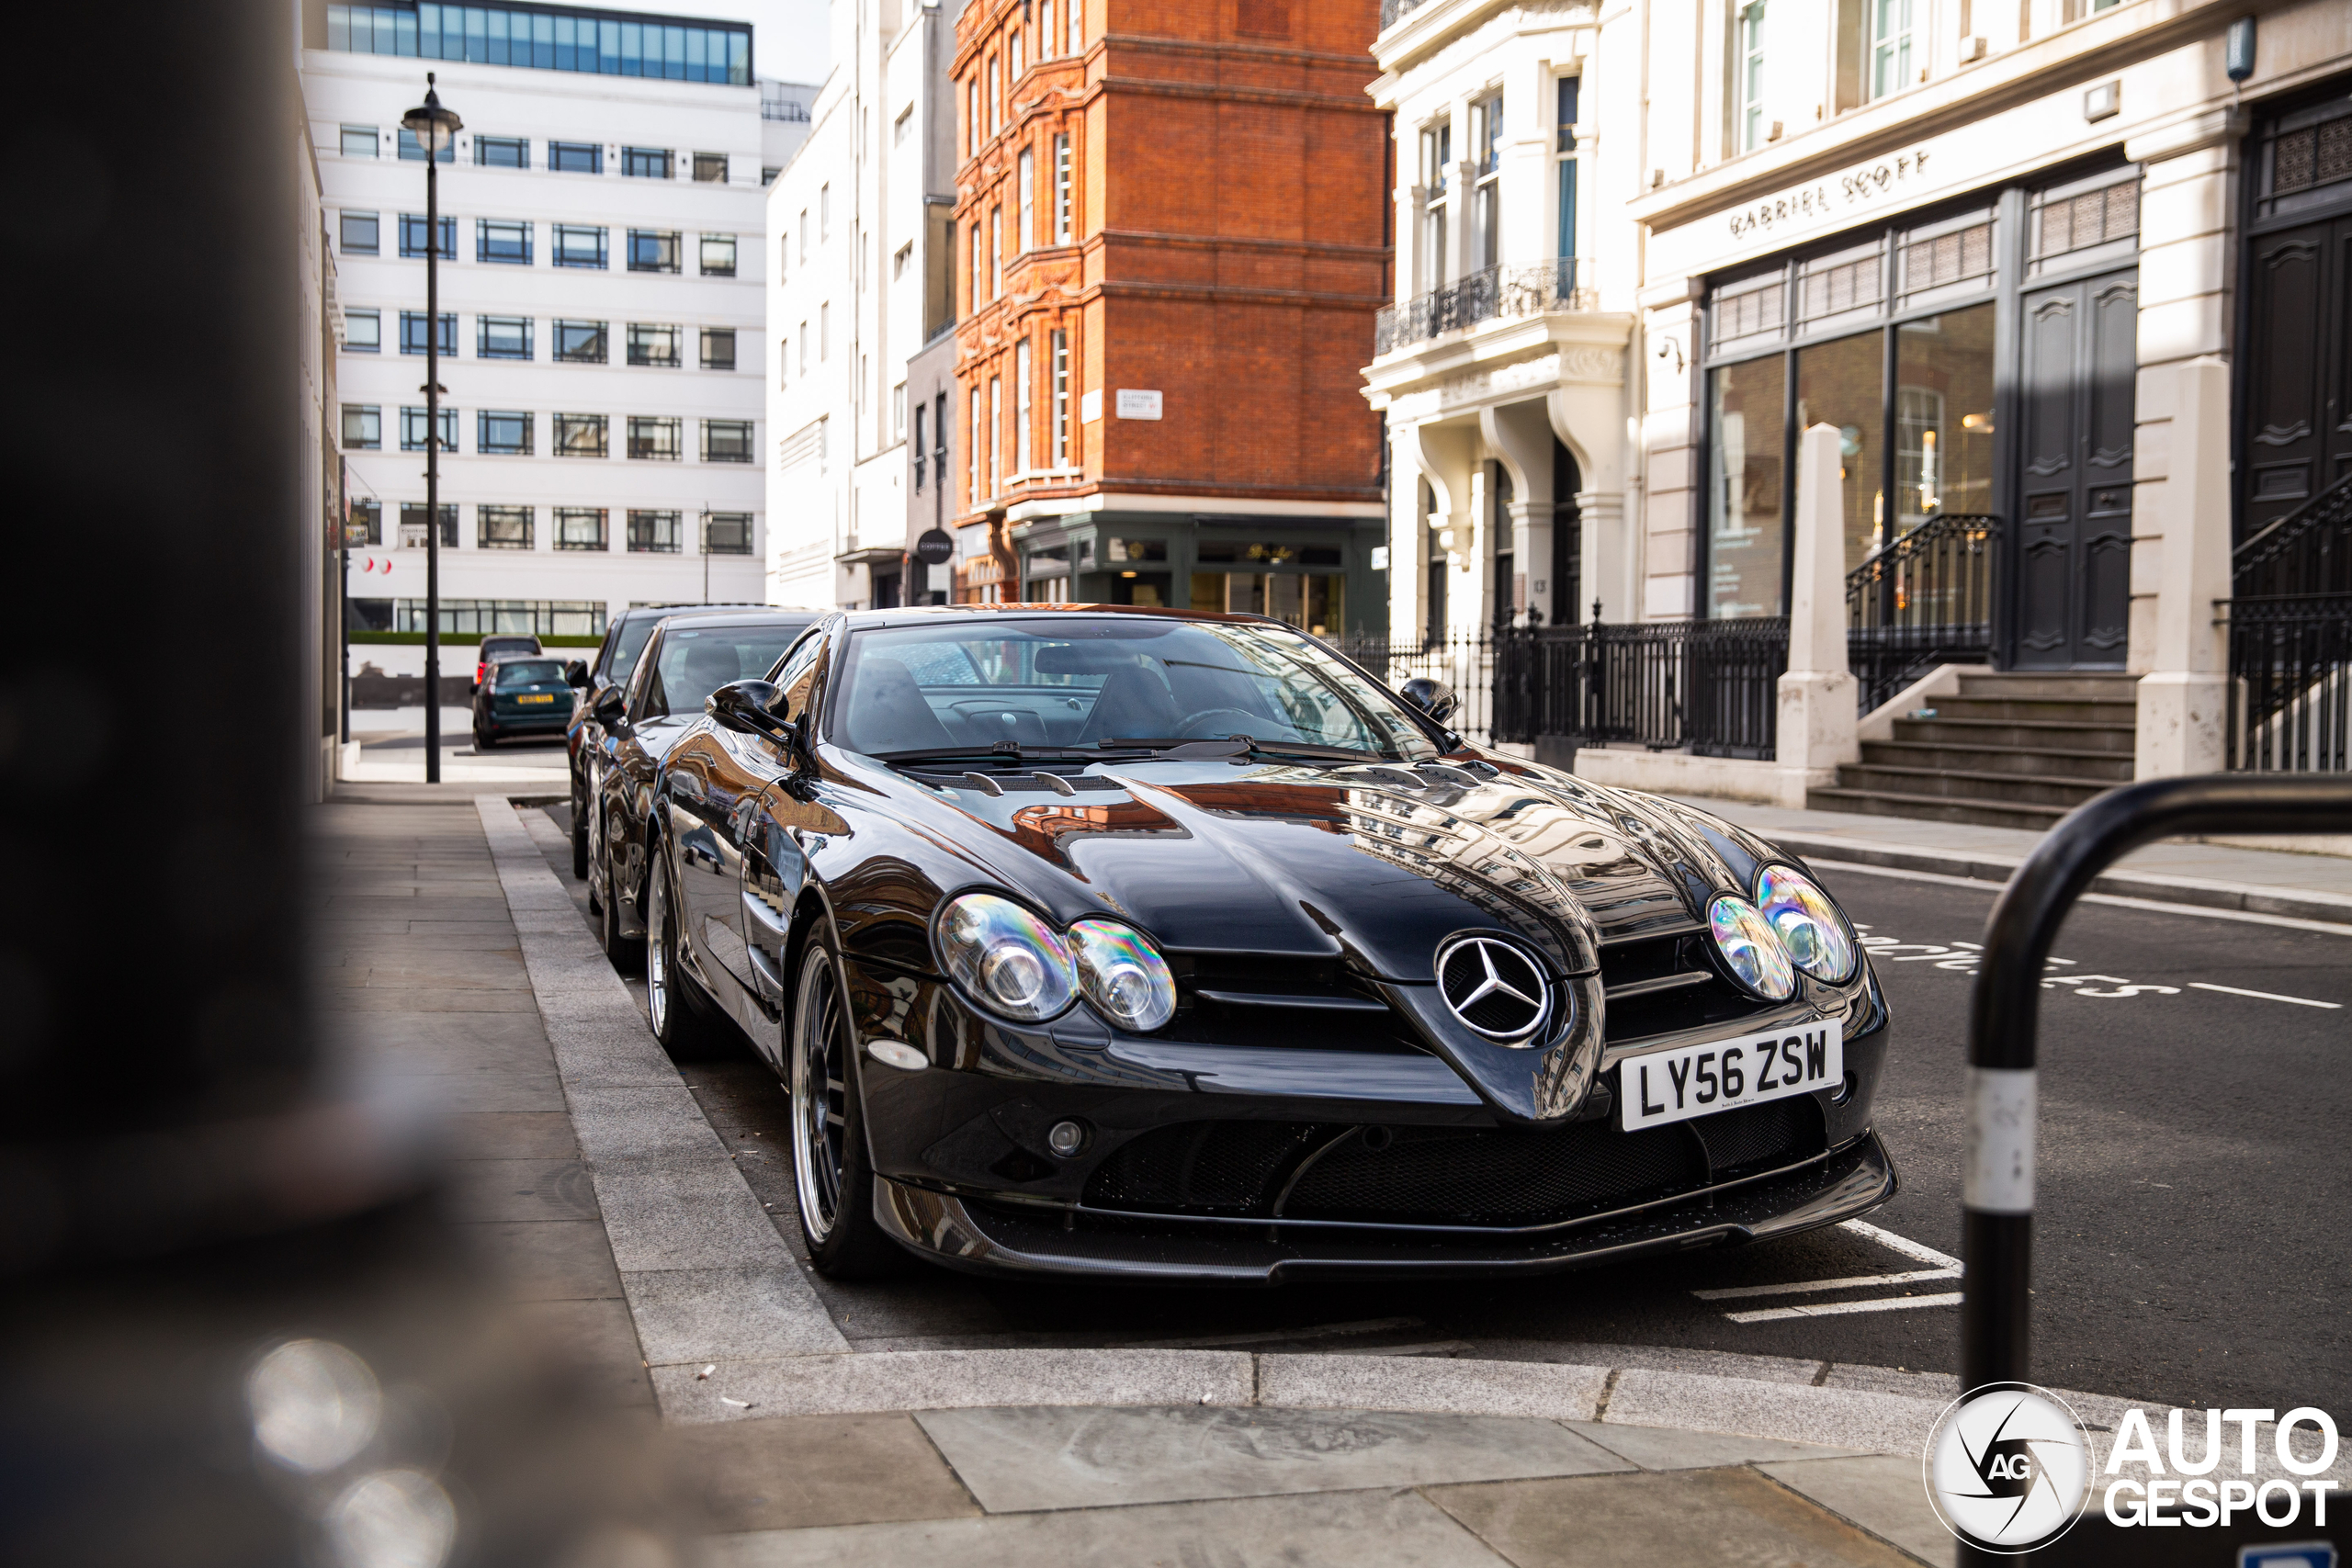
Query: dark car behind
x=520 y=695
x=502 y=645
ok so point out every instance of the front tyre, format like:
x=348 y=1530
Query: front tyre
x=682 y=1019
x=627 y=952
x=831 y=1176
x=579 y=832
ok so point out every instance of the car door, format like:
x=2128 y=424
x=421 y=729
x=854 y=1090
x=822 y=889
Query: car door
x=776 y=863
x=704 y=793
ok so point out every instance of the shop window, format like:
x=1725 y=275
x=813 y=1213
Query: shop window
x=1747 y=406
x=1749 y=311
x=1846 y=284
x=1943 y=416
x=2072 y=227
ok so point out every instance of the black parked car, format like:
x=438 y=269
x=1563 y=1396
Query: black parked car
x=687 y=657
x=1138 y=943
x=519 y=695
x=584 y=738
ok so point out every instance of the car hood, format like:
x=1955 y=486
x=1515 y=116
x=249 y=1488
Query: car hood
x=1378 y=866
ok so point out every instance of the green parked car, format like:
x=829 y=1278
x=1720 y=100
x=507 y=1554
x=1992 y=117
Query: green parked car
x=520 y=695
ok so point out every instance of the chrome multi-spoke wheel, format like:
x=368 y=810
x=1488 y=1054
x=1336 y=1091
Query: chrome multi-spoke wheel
x=657 y=1000
x=819 y=1072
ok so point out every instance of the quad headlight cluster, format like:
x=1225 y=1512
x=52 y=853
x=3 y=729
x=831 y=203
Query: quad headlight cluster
x=1789 y=925
x=1021 y=969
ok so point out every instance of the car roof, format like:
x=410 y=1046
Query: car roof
x=918 y=615
x=662 y=612
x=777 y=617
x=517 y=653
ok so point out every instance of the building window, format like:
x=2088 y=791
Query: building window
x=767 y=176
x=718 y=349
x=501 y=337
x=900 y=126
x=412 y=429
x=783 y=362
x=710 y=168
x=978 y=270
x=804 y=234
x=576 y=157
x=995 y=435
x=718 y=256
x=546 y=37
x=359 y=142
x=1486 y=195
x=1437 y=178
x=363 y=427
x=547 y=617
x=580 y=435
x=920 y=455
x=579 y=528
x=574 y=244
x=363 y=332
x=503 y=152
x=579 y=343
x=502 y=240
x=652 y=250
x=977 y=493
x=824 y=331
x=996 y=252
x=1020 y=406
x=1063 y=216
x=1061 y=400
x=1028 y=177
x=645 y=162
x=728 y=534
x=502 y=527
x=824 y=212
x=2064 y=224
x=1564 y=150
x=898 y=411
x=1753 y=129
x=413 y=150
x=727 y=441
x=996 y=96
x=366 y=524
x=412 y=333
x=653 y=533
x=657 y=438
x=359 y=233
x=899 y=260
x=1077 y=26
x=1014 y=63
x=413 y=228
x=1890 y=46
x=804 y=349
x=502 y=434
x=412 y=516
x=971 y=118
x=649 y=343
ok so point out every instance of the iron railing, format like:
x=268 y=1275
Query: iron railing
x=2291 y=642
x=1464 y=662
x=1921 y=600
x=1391 y=10
x=1563 y=283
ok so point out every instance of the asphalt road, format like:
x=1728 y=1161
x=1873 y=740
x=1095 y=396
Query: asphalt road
x=2191 y=1244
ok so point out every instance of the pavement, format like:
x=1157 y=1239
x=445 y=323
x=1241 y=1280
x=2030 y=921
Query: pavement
x=624 y=1225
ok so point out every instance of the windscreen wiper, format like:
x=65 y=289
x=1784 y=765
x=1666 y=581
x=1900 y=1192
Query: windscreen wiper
x=1250 y=746
x=1012 y=750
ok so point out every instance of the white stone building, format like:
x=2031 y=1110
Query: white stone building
x=600 y=301
x=858 y=239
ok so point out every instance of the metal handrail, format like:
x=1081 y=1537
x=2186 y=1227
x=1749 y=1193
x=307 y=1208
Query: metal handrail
x=1997 y=1166
x=2253 y=565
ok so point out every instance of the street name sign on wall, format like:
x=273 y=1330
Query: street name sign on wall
x=1136 y=404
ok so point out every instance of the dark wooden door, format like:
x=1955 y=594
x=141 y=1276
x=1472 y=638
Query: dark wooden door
x=2298 y=370
x=2079 y=343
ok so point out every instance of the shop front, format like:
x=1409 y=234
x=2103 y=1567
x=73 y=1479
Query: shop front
x=1316 y=573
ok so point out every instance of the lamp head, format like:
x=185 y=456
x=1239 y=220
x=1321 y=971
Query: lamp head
x=433 y=127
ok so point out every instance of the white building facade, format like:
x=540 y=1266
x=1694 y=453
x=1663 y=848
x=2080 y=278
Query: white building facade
x=600 y=327
x=859 y=243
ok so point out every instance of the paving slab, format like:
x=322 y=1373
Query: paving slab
x=510 y=1134
x=518 y=1190
x=1882 y=1494
x=597 y=1340
x=1847 y=1419
x=686 y=1212
x=1016 y=1460
x=1668 y=1448
x=697 y=1315
x=546 y=1259
x=951 y=1380
x=806 y=1471
x=1713 y=1517
x=1342 y=1529
x=1400 y=1382
x=491 y=1093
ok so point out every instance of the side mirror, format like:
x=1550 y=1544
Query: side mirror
x=576 y=674
x=1433 y=697
x=607 y=701
x=748 y=708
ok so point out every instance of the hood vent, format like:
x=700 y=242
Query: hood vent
x=1015 y=784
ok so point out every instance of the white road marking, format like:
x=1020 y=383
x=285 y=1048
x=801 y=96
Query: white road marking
x=1849 y=1283
x=2265 y=996
x=2249 y=917
x=1837 y=1309
x=1917 y=1251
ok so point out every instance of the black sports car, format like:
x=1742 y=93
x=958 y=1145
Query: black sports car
x=687 y=657
x=1139 y=944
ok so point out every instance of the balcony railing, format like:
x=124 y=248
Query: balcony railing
x=1390 y=10
x=1493 y=293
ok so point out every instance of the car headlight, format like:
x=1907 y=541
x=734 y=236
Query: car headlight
x=1123 y=975
x=1807 y=924
x=1750 y=948
x=1010 y=960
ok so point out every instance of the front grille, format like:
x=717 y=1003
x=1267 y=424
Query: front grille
x=1661 y=985
x=1469 y=1176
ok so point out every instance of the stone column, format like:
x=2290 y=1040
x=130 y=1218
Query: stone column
x=1520 y=434
x=2183 y=698
x=1408 y=578
x=1672 y=498
x=1605 y=562
x=1818 y=721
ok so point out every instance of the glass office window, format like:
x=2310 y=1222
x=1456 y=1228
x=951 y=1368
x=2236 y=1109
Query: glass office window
x=413 y=515
x=413 y=150
x=652 y=250
x=657 y=438
x=711 y=167
x=727 y=441
x=502 y=434
x=576 y=157
x=655 y=532
x=412 y=333
x=718 y=349
x=728 y=533
x=1746 y=405
x=579 y=343
x=363 y=332
x=366 y=524
x=651 y=344
x=363 y=427
x=502 y=527
x=503 y=152
x=1843 y=383
x=413 y=426
x=575 y=244
x=547 y=39
x=359 y=233
x=580 y=528
x=503 y=337
x=645 y=162
x=580 y=435
x=359 y=142
x=718 y=256
x=505 y=240
x=413 y=227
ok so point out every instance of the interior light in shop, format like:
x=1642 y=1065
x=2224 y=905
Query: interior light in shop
x=1977 y=423
x=1126 y=574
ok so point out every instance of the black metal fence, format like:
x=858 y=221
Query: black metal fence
x=1924 y=599
x=1565 y=283
x=2291 y=641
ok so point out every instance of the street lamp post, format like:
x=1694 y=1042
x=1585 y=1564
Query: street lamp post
x=435 y=128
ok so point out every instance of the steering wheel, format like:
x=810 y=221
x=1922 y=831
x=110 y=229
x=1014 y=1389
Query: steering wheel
x=1184 y=725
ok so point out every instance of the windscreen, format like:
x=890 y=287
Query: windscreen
x=1084 y=680
x=627 y=643
x=696 y=661
x=519 y=673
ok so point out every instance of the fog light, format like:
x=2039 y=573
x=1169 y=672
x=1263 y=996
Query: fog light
x=1844 y=1091
x=1067 y=1138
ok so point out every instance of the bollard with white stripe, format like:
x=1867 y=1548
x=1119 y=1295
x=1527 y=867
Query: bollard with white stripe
x=1996 y=1214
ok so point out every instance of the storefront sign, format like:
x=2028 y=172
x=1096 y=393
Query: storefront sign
x=1839 y=194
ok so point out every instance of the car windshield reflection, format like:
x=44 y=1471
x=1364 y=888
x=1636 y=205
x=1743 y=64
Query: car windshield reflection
x=1095 y=681
x=695 y=661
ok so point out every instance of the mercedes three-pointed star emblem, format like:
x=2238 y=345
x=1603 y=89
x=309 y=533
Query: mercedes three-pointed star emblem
x=1494 y=987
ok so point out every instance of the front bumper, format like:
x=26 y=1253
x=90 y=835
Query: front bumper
x=990 y=1237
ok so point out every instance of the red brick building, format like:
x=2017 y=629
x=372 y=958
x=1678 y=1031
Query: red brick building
x=1172 y=233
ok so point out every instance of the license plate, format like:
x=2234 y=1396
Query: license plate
x=1724 y=1075
x=540 y=698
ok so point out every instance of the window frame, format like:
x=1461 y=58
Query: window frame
x=346 y=218
x=1025 y=173
x=648 y=162
x=486 y=512
x=449 y=333
x=484 y=250
x=563 y=157
x=374 y=140
x=524 y=420
x=710 y=335
x=643 y=429
x=371 y=419
x=560 y=237
x=375 y=320
x=729 y=428
x=711 y=525
x=567 y=428
x=521 y=325
x=640 y=340
x=603 y=333
x=703 y=244
x=521 y=146
x=669 y=241
x=1065 y=193
x=702 y=160
x=412 y=421
x=646 y=523
x=413 y=227
x=566 y=515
